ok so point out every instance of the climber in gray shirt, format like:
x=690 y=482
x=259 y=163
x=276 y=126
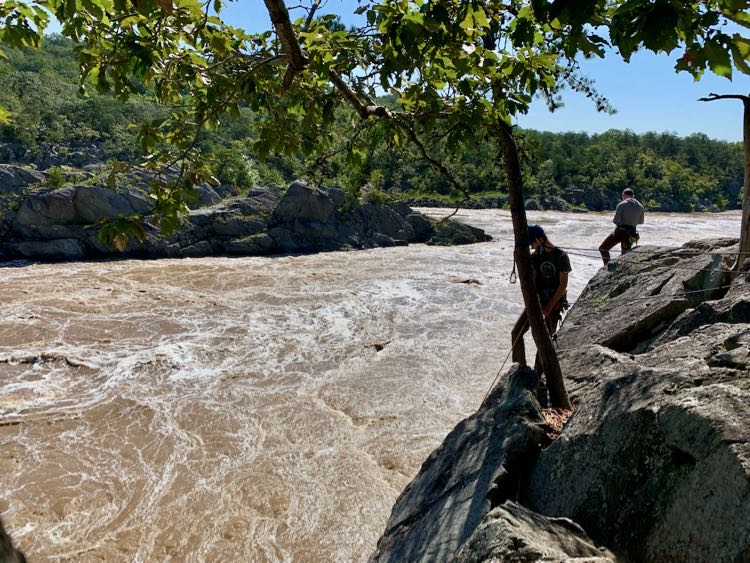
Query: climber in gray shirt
x=628 y=215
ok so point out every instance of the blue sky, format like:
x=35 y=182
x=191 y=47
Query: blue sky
x=647 y=93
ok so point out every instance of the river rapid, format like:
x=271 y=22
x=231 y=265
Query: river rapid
x=254 y=409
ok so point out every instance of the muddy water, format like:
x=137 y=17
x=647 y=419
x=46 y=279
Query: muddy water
x=253 y=409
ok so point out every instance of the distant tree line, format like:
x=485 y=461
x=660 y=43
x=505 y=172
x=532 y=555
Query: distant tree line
x=668 y=172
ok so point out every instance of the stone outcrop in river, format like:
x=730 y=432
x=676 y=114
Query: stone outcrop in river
x=61 y=224
x=653 y=465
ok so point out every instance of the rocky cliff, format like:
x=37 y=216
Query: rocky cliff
x=61 y=224
x=654 y=463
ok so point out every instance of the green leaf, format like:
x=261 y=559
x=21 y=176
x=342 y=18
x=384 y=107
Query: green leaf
x=5 y=116
x=740 y=59
x=718 y=57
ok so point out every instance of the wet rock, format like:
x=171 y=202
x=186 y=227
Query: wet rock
x=454 y=232
x=53 y=251
x=251 y=246
x=420 y=225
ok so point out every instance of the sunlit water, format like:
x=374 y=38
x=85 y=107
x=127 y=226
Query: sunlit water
x=251 y=409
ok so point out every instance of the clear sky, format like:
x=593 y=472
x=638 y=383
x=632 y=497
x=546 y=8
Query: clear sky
x=647 y=93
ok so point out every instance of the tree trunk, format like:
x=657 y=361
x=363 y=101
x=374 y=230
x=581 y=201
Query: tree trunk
x=745 y=228
x=557 y=395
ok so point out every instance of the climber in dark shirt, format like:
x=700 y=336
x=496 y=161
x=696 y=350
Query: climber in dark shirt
x=550 y=266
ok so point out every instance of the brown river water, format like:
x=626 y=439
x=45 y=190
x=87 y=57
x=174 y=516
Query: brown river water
x=254 y=409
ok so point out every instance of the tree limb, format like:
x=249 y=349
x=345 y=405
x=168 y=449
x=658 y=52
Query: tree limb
x=283 y=26
x=711 y=97
x=364 y=111
x=311 y=13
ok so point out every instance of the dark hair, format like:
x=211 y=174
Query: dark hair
x=535 y=232
x=628 y=191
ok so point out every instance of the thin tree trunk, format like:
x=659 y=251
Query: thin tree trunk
x=558 y=396
x=745 y=226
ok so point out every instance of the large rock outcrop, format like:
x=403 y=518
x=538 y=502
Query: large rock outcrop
x=456 y=506
x=62 y=224
x=654 y=464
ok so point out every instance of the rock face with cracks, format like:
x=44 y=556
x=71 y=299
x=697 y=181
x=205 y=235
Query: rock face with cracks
x=653 y=465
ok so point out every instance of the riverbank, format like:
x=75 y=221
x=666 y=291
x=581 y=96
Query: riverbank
x=66 y=223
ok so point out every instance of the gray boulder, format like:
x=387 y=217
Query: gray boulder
x=76 y=205
x=454 y=232
x=7 y=214
x=303 y=202
x=336 y=195
x=642 y=293
x=386 y=220
x=262 y=222
x=655 y=462
x=14 y=178
x=47 y=207
x=420 y=225
x=514 y=534
x=53 y=251
x=204 y=195
x=256 y=245
x=238 y=226
x=94 y=203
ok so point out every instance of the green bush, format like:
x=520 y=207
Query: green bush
x=233 y=167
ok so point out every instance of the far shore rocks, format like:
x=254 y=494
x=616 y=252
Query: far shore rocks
x=61 y=224
x=653 y=464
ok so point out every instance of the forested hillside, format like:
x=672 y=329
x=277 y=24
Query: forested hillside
x=52 y=126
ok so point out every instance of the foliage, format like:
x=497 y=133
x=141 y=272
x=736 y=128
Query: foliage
x=233 y=166
x=454 y=69
x=655 y=164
